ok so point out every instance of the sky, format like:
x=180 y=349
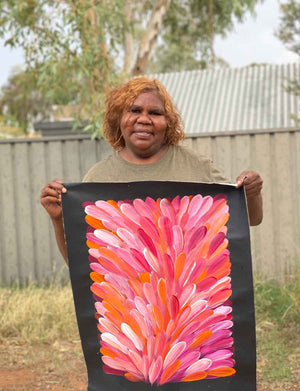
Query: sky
x=253 y=41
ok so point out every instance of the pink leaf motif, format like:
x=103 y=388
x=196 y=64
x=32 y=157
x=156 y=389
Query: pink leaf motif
x=143 y=209
x=174 y=353
x=162 y=286
x=155 y=369
x=167 y=210
x=200 y=365
x=108 y=237
x=107 y=208
x=176 y=204
x=195 y=204
x=130 y=212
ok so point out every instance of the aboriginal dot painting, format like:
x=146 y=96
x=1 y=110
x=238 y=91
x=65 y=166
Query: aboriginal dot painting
x=156 y=271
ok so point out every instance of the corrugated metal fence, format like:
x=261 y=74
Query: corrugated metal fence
x=28 y=250
x=230 y=99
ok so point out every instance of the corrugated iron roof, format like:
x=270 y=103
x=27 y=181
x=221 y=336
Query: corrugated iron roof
x=232 y=99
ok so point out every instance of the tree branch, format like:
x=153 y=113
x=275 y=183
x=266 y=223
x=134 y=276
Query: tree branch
x=211 y=32
x=150 y=37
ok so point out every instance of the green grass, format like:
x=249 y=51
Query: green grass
x=36 y=315
x=278 y=332
x=277 y=302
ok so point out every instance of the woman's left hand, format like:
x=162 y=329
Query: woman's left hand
x=253 y=186
x=251 y=181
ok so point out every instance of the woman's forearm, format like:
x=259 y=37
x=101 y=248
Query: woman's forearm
x=255 y=209
x=60 y=237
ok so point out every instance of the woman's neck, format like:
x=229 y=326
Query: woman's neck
x=134 y=158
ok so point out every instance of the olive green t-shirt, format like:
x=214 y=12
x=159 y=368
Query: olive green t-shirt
x=177 y=164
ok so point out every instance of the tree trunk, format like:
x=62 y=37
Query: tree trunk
x=128 y=40
x=97 y=81
x=211 y=32
x=150 y=37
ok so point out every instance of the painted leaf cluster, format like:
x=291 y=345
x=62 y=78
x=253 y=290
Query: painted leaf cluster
x=162 y=287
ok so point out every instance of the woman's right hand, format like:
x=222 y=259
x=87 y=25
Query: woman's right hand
x=51 y=198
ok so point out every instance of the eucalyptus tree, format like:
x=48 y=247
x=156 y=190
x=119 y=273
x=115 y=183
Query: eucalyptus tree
x=289 y=33
x=78 y=49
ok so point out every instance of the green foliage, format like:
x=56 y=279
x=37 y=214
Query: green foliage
x=289 y=33
x=65 y=44
x=289 y=29
x=9 y=131
x=187 y=36
x=20 y=100
x=75 y=48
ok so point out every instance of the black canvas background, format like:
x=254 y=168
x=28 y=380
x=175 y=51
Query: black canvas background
x=241 y=275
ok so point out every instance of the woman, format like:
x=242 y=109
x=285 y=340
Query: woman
x=144 y=129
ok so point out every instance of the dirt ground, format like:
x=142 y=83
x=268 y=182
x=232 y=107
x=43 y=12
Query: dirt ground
x=60 y=367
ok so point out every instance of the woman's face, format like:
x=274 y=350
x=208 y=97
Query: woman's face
x=143 y=125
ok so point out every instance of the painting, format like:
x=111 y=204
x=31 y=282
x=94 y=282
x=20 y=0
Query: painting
x=162 y=284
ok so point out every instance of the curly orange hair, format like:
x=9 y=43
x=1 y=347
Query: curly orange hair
x=119 y=99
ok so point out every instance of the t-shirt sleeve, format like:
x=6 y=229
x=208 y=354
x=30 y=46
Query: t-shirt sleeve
x=92 y=175
x=101 y=171
x=217 y=175
x=97 y=173
x=86 y=177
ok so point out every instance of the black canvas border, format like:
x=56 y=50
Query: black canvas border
x=241 y=275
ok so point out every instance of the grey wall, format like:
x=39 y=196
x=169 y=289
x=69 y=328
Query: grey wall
x=28 y=251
